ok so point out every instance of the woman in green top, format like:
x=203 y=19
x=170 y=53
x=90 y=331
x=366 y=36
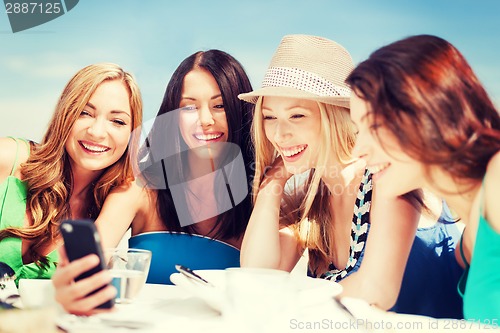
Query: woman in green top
x=84 y=154
x=425 y=121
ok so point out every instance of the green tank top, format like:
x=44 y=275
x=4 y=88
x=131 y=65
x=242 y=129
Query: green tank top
x=13 y=193
x=482 y=291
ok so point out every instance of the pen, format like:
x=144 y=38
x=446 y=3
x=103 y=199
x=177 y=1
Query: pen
x=188 y=272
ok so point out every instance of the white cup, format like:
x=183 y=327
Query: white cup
x=259 y=299
x=36 y=293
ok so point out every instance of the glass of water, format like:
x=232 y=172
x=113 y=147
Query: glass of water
x=129 y=269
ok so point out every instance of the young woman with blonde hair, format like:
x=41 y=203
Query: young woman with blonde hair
x=301 y=122
x=86 y=152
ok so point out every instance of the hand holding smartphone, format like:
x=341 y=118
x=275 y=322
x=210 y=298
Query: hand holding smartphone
x=81 y=239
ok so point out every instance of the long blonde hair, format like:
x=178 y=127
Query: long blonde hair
x=47 y=171
x=308 y=213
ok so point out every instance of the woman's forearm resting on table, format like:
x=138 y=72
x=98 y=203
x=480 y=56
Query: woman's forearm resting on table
x=378 y=280
x=264 y=245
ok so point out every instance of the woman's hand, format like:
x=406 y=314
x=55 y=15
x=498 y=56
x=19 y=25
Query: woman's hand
x=73 y=295
x=275 y=174
x=265 y=244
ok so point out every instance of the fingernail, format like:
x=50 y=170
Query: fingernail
x=112 y=292
x=93 y=259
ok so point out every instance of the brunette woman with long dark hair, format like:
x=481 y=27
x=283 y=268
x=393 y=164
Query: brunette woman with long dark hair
x=425 y=121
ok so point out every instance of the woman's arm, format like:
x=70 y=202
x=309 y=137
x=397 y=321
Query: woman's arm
x=8 y=150
x=118 y=212
x=393 y=227
x=489 y=193
x=264 y=244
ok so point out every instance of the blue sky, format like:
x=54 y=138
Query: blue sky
x=150 y=38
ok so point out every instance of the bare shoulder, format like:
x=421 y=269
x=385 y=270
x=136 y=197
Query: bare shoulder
x=492 y=192
x=124 y=201
x=494 y=164
x=492 y=177
x=129 y=192
x=8 y=151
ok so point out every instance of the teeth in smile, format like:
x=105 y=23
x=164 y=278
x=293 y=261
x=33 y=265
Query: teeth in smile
x=377 y=168
x=292 y=152
x=207 y=137
x=94 y=148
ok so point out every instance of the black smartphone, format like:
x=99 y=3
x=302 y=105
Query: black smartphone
x=80 y=239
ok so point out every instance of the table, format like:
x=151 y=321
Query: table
x=162 y=308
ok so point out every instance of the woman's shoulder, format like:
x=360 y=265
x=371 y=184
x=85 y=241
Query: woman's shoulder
x=492 y=192
x=492 y=177
x=493 y=167
x=134 y=194
x=132 y=190
x=12 y=152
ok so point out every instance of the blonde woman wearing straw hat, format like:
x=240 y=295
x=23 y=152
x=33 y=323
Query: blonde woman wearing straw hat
x=301 y=123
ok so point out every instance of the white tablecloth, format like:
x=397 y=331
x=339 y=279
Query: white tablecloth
x=161 y=308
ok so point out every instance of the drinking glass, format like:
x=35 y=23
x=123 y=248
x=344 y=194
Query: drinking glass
x=129 y=269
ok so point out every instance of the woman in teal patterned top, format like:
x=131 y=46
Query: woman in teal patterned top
x=425 y=121
x=83 y=155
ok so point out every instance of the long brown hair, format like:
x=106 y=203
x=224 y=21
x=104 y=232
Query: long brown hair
x=47 y=171
x=425 y=84
x=232 y=80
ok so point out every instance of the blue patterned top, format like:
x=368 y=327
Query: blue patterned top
x=359 y=232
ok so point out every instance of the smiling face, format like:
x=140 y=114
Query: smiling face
x=100 y=135
x=394 y=172
x=293 y=126
x=202 y=120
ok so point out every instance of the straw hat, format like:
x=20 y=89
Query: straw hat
x=307 y=67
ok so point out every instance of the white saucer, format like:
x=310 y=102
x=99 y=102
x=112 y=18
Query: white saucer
x=311 y=291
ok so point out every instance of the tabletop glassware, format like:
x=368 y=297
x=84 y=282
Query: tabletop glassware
x=129 y=269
